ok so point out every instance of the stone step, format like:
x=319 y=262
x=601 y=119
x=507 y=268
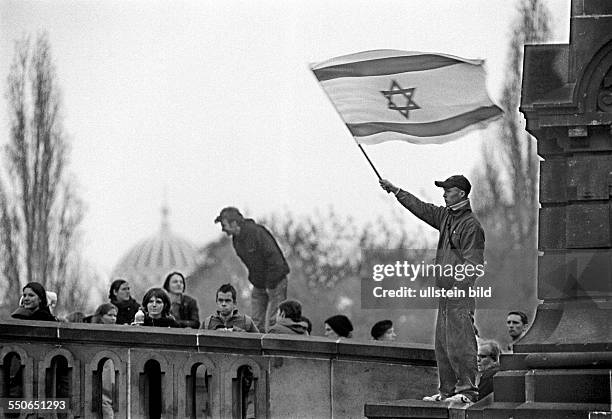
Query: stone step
x=535 y=410
x=486 y=409
x=509 y=386
x=554 y=386
x=413 y=409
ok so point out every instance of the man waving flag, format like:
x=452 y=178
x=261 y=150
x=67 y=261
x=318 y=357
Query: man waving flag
x=421 y=98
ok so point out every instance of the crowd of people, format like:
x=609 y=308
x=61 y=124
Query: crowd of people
x=466 y=363
x=170 y=307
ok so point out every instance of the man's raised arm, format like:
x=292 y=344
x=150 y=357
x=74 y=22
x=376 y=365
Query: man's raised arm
x=429 y=213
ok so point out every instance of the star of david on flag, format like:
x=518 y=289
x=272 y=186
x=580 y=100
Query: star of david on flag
x=421 y=98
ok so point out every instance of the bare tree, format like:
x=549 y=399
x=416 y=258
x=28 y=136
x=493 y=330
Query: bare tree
x=507 y=183
x=39 y=208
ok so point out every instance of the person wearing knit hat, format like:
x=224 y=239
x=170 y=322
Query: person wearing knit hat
x=34 y=304
x=338 y=326
x=383 y=331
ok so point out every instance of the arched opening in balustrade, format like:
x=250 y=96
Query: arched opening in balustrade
x=11 y=384
x=104 y=389
x=244 y=390
x=198 y=401
x=150 y=386
x=58 y=380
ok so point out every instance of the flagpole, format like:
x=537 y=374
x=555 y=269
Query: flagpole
x=369 y=161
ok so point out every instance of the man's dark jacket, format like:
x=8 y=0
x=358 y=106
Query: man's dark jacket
x=458 y=228
x=258 y=250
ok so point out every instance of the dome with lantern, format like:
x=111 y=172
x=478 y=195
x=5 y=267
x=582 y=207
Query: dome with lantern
x=147 y=263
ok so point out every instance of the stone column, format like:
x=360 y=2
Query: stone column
x=567 y=102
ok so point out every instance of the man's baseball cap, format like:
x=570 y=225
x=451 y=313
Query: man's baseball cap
x=458 y=181
x=229 y=213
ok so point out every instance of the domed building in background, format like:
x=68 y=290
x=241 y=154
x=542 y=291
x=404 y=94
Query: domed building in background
x=147 y=263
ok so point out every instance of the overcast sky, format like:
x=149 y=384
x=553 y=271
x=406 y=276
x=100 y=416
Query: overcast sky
x=213 y=102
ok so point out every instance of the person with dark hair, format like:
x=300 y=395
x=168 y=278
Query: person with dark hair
x=289 y=319
x=383 y=331
x=488 y=366
x=183 y=307
x=228 y=317
x=119 y=295
x=461 y=245
x=34 y=305
x=105 y=314
x=338 y=326
x=517 y=323
x=260 y=253
x=156 y=307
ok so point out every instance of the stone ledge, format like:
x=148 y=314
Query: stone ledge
x=215 y=341
x=395 y=352
x=309 y=346
x=407 y=409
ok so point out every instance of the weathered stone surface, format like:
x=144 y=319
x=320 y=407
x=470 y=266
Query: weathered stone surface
x=293 y=376
x=552 y=234
x=553 y=181
x=356 y=383
x=299 y=388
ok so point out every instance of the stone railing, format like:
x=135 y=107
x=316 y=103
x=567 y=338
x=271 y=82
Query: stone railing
x=187 y=373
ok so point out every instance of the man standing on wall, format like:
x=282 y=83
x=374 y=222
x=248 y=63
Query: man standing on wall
x=262 y=256
x=461 y=242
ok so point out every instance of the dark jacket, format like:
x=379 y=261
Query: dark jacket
x=167 y=321
x=237 y=321
x=126 y=310
x=39 y=314
x=485 y=385
x=289 y=327
x=461 y=239
x=259 y=251
x=186 y=312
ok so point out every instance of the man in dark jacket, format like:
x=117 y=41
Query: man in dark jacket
x=289 y=320
x=228 y=317
x=488 y=366
x=461 y=244
x=262 y=256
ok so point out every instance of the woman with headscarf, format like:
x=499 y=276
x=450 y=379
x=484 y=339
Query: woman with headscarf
x=338 y=326
x=183 y=307
x=119 y=295
x=156 y=305
x=34 y=305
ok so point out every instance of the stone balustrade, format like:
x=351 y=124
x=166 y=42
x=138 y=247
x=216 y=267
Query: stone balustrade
x=185 y=373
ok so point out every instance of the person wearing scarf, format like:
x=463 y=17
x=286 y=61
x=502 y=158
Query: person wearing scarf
x=34 y=305
x=119 y=296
